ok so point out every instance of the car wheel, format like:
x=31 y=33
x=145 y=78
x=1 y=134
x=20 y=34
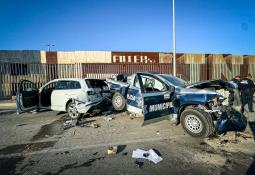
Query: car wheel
x=72 y=111
x=118 y=102
x=197 y=123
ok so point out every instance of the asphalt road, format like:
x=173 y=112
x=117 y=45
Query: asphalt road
x=36 y=143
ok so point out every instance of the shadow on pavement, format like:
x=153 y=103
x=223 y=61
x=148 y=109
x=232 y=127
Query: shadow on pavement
x=251 y=169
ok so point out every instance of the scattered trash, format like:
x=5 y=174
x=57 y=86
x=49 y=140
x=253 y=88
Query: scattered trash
x=132 y=115
x=107 y=115
x=157 y=132
x=80 y=123
x=112 y=150
x=244 y=136
x=120 y=148
x=70 y=123
x=74 y=132
x=223 y=141
x=94 y=125
x=21 y=124
x=34 y=112
x=108 y=118
x=140 y=164
x=150 y=155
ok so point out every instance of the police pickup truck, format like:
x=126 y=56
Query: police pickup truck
x=202 y=108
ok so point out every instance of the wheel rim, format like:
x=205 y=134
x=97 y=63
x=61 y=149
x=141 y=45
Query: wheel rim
x=118 y=101
x=72 y=111
x=193 y=124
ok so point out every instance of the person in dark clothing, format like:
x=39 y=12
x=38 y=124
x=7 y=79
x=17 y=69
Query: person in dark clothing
x=237 y=81
x=247 y=89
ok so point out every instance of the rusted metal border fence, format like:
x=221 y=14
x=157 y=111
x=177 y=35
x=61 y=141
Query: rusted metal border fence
x=12 y=73
x=189 y=72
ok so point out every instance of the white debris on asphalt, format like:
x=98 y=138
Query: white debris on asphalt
x=69 y=123
x=108 y=118
x=150 y=155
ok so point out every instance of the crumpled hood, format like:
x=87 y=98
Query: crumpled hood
x=194 y=91
x=194 y=96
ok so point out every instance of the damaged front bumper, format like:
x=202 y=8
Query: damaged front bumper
x=228 y=117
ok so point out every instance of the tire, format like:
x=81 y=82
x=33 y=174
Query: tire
x=118 y=102
x=197 y=123
x=72 y=111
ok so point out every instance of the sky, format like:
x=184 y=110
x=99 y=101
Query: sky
x=202 y=26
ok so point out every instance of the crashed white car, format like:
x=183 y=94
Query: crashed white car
x=62 y=95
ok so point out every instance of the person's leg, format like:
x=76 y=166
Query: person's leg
x=243 y=100
x=250 y=102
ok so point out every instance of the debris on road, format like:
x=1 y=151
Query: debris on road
x=112 y=150
x=70 y=123
x=108 y=118
x=94 y=125
x=107 y=115
x=80 y=123
x=151 y=155
x=133 y=115
x=21 y=124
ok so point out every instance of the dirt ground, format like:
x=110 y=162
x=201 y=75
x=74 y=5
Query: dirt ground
x=37 y=143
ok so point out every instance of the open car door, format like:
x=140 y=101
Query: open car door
x=27 y=97
x=157 y=98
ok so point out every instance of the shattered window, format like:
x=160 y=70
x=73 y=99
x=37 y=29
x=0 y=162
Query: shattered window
x=174 y=80
x=136 y=83
x=151 y=84
x=93 y=83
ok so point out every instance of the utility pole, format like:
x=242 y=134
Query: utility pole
x=50 y=46
x=174 y=41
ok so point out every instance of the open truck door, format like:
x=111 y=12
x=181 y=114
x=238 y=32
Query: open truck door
x=157 y=98
x=27 y=98
x=134 y=97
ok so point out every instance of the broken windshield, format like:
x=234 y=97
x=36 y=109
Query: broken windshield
x=174 y=80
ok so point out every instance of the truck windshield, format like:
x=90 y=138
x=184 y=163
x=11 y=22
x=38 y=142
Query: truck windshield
x=174 y=80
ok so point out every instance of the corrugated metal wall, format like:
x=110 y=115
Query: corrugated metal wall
x=21 y=56
x=84 y=57
x=12 y=74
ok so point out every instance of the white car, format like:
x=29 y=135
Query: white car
x=59 y=95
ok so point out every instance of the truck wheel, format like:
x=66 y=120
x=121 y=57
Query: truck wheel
x=72 y=111
x=197 y=123
x=118 y=102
